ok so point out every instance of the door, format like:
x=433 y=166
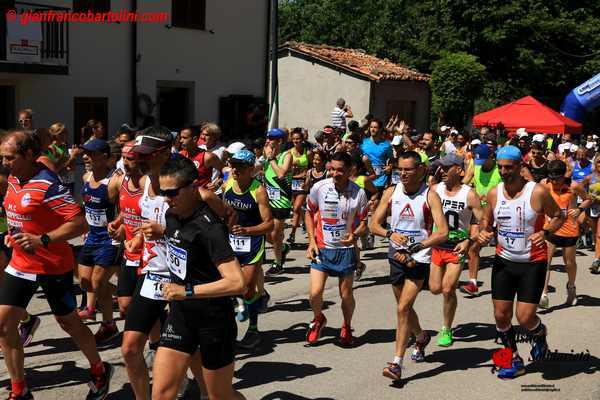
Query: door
x=173 y=107
x=86 y=108
x=7 y=107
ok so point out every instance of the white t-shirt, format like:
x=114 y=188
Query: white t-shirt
x=338 y=118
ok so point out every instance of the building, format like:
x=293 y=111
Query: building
x=191 y=60
x=313 y=77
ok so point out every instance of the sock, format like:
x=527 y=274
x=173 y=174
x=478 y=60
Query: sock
x=253 y=305
x=27 y=319
x=97 y=368
x=83 y=299
x=398 y=360
x=538 y=333
x=507 y=336
x=153 y=346
x=474 y=281
x=18 y=387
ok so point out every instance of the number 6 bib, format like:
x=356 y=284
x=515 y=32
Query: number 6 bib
x=177 y=260
x=153 y=285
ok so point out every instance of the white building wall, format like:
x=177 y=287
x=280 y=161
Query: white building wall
x=308 y=92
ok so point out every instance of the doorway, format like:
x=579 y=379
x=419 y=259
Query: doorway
x=7 y=107
x=175 y=102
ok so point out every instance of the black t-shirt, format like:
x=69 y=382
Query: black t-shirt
x=196 y=245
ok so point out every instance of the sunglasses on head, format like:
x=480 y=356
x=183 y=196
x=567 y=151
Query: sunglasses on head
x=171 y=193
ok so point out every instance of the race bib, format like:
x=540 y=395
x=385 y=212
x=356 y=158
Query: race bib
x=334 y=233
x=23 y=275
x=395 y=177
x=510 y=236
x=273 y=193
x=153 y=285
x=240 y=244
x=96 y=217
x=297 y=184
x=411 y=236
x=177 y=260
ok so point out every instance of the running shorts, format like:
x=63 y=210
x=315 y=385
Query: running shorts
x=562 y=241
x=441 y=257
x=256 y=253
x=127 y=280
x=400 y=272
x=17 y=290
x=526 y=280
x=336 y=262
x=199 y=325
x=103 y=255
x=281 y=213
x=142 y=312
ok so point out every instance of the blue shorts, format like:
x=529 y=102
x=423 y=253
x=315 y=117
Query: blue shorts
x=103 y=255
x=256 y=253
x=336 y=262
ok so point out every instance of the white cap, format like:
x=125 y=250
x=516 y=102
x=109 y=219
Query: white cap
x=521 y=132
x=539 y=137
x=397 y=140
x=444 y=128
x=564 y=147
x=475 y=141
x=454 y=132
x=595 y=137
x=235 y=147
x=574 y=148
x=590 y=145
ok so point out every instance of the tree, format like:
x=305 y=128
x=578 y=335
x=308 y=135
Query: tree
x=456 y=81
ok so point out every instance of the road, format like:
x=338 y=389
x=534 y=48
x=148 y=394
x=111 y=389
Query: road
x=285 y=369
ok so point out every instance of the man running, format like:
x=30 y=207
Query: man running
x=42 y=216
x=460 y=204
x=205 y=274
x=278 y=182
x=518 y=207
x=249 y=199
x=335 y=218
x=205 y=161
x=413 y=208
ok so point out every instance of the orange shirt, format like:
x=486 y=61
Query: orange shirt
x=565 y=200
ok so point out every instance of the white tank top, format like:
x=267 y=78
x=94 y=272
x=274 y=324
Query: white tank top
x=458 y=214
x=516 y=220
x=154 y=258
x=411 y=216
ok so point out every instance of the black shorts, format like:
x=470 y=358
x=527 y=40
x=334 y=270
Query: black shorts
x=104 y=255
x=281 y=213
x=526 y=280
x=562 y=241
x=211 y=330
x=400 y=272
x=128 y=279
x=143 y=313
x=58 y=290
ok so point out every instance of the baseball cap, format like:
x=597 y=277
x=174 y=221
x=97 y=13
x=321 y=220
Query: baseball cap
x=328 y=130
x=539 y=137
x=397 y=140
x=522 y=132
x=590 y=145
x=454 y=132
x=444 y=128
x=482 y=153
x=475 y=142
x=99 y=145
x=574 y=148
x=244 y=156
x=508 y=153
x=145 y=144
x=451 y=159
x=235 y=147
x=276 y=133
x=128 y=148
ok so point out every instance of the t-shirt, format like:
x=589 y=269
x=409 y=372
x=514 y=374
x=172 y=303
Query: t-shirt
x=335 y=214
x=338 y=118
x=40 y=206
x=378 y=154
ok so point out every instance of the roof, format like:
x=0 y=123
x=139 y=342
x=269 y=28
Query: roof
x=357 y=61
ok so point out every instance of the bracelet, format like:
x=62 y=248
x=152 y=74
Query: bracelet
x=189 y=290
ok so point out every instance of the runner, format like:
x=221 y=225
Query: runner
x=518 y=207
x=378 y=150
x=486 y=176
x=301 y=159
x=538 y=165
x=247 y=238
x=592 y=182
x=205 y=273
x=205 y=161
x=413 y=208
x=565 y=195
x=460 y=204
x=278 y=181
x=335 y=217
x=98 y=255
x=41 y=216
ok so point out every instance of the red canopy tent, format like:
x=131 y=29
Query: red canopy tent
x=527 y=113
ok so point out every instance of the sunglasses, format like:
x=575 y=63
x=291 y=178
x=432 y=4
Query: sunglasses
x=537 y=153
x=349 y=142
x=171 y=193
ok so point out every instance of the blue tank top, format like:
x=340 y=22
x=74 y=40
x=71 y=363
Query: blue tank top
x=99 y=211
x=579 y=173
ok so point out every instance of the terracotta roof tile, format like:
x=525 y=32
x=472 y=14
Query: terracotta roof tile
x=358 y=61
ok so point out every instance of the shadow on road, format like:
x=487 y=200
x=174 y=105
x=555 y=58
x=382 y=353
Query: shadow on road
x=474 y=332
x=296 y=305
x=583 y=300
x=258 y=373
x=560 y=369
x=67 y=375
x=270 y=339
x=279 y=395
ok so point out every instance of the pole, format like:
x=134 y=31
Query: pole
x=274 y=24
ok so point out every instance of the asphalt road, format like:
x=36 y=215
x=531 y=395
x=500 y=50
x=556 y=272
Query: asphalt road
x=284 y=368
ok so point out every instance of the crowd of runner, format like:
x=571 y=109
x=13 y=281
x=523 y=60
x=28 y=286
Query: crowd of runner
x=183 y=221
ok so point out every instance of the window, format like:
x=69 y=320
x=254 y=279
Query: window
x=91 y=5
x=189 y=14
x=86 y=108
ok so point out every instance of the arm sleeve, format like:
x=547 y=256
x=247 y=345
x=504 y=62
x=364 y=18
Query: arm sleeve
x=60 y=200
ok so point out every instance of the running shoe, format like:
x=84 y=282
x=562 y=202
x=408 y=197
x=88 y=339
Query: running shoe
x=264 y=300
x=539 y=347
x=250 y=340
x=276 y=269
x=314 y=329
x=183 y=388
x=346 y=339
x=445 y=338
x=393 y=371
x=544 y=301
x=291 y=239
x=418 y=354
x=571 y=295
x=241 y=312
x=27 y=329
x=470 y=288
x=87 y=313
x=106 y=332
x=100 y=385
x=517 y=369
x=25 y=396
x=360 y=269
x=595 y=267
x=149 y=358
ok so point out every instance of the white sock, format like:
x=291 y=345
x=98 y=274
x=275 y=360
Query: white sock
x=398 y=360
x=474 y=281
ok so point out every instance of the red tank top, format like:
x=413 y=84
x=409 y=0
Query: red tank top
x=205 y=172
x=129 y=204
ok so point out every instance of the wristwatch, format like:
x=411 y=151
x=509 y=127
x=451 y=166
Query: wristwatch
x=189 y=290
x=45 y=239
x=389 y=233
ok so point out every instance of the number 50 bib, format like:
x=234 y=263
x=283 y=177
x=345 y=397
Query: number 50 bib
x=177 y=260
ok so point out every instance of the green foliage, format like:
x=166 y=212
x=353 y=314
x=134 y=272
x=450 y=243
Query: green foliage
x=456 y=81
